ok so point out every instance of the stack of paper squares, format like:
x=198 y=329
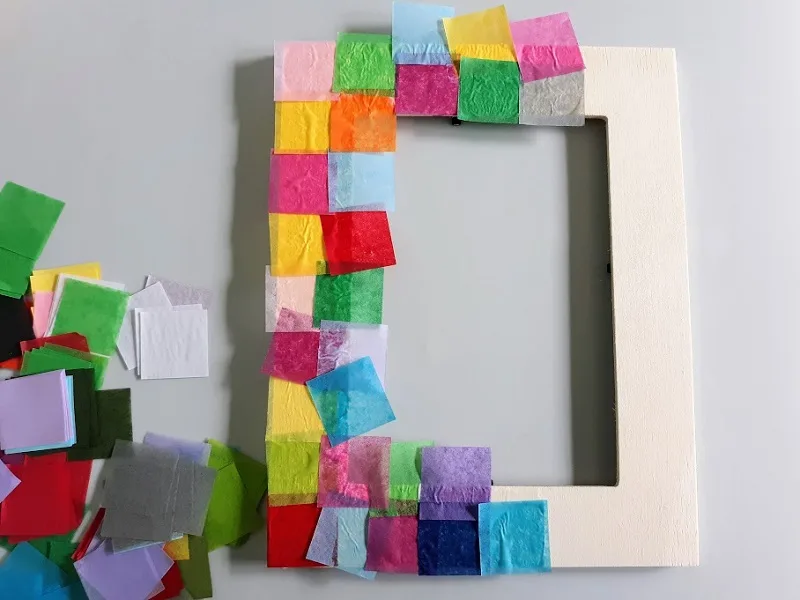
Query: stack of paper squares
x=28 y=220
x=164 y=331
x=43 y=285
x=37 y=413
x=154 y=495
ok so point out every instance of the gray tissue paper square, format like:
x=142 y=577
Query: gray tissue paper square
x=553 y=101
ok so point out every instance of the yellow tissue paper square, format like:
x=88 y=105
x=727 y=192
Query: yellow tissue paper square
x=302 y=127
x=485 y=34
x=291 y=414
x=178 y=549
x=296 y=245
x=44 y=280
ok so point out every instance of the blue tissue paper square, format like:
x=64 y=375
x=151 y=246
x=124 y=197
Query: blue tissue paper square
x=417 y=34
x=514 y=537
x=350 y=400
x=360 y=181
x=448 y=548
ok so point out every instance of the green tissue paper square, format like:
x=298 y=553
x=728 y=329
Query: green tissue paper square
x=15 y=271
x=353 y=298
x=405 y=464
x=28 y=219
x=240 y=485
x=488 y=91
x=94 y=311
x=110 y=422
x=363 y=63
x=196 y=572
x=54 y=358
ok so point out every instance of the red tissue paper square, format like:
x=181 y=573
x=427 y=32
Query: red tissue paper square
x=50 y=499
x=289 y=533
x=357 y=241
x=392 y=545
x=426 y=90
x=172 y=582
x=66 y=340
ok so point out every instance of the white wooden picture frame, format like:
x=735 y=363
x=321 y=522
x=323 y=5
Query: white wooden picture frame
x=649 y=518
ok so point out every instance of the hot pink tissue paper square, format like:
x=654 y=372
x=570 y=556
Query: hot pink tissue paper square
x=546 y=47
x=298 y=184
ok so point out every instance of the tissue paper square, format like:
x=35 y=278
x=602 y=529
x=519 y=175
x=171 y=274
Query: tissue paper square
x=150 y=297
x=363 y=63
x=293 y=472
x=392 y=545
x=295 y=293
x=351 y=544
x=95 y=311
x=291 y=414
x=454 y=481
x=293 y=351
x=290 y=530
x=485 y=34
x=448 y=548
x=29 y=218
x=361 y=181
x=298 y=183
x=296 y=245
x=417 y=37
x=514 y=537
x=174 y=344
x=181 y=294
x=361 y=123
x=489 y=91
x=357 y=241
x=304 y=71
x=427 y=91
x=302 y=127
x=546 y=47
x=350 y=400
x=343 y=343
x=322 y=549
x=354 y=298
x=354 y=473
x=553 y=101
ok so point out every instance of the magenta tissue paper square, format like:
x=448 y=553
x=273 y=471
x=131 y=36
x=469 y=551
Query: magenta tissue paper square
x=426 y=90
x=292 y=355
x=392 y=545
x=298 y=184
x=354 y=474
x=304 y=71
x=546 y=47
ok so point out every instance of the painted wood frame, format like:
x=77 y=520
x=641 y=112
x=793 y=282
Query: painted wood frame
x=650 y=517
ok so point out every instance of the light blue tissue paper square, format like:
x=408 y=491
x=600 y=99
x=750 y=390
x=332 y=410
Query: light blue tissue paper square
x=417 y=34
x=514 y=537
x=360 y=181
x=351 y=546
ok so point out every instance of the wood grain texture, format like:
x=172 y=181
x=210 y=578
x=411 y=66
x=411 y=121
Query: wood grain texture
x=650 y=517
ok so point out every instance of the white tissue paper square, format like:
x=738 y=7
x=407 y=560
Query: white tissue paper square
x=137 y=327
x=180 y=294
x=173 y=344
x=150 y=297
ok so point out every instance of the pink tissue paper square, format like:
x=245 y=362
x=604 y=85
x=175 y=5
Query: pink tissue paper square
x=392 y=545
x=298 y=184
x=42 y=302
x=546 y=47
x=295 y=293
x=304 y=71
x=355 y=473
x=426 y=90
x=292 y=355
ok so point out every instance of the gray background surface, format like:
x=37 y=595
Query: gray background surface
x=153 y=120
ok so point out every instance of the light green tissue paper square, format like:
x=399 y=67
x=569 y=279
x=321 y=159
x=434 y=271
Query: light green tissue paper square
x=94 y=311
